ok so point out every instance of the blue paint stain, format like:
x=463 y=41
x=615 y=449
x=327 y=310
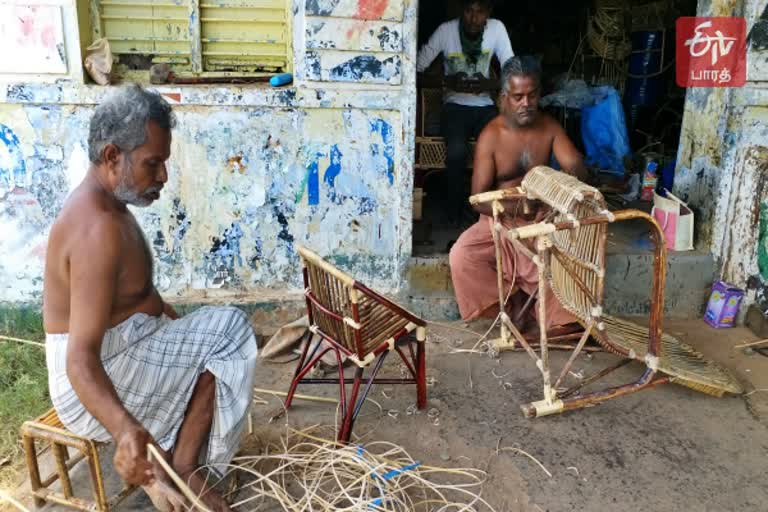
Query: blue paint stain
x=313 y=184
x=334 y=169
x=366 y=205
x=321 y=7
x=14 y=166
x=226 y=251
x=312 y=60
x=366 y=68
x=384 y=129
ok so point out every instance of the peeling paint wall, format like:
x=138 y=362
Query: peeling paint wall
x=253 y=172
x=723 y=154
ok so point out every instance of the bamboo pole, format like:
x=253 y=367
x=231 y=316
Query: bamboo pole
x=297 y=396
x=751 y=344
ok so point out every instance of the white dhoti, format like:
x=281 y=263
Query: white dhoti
x=154 y=364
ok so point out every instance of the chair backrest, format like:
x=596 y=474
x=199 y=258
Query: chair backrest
x=329 y=295
x=354 y=316
x=577 y=266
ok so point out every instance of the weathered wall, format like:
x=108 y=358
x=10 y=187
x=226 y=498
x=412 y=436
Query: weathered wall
x=722 y=162
x=254 y=171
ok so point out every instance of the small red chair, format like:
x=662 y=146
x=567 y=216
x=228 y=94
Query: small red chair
x=362 y=326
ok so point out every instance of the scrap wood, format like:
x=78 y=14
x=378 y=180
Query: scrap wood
x=500 y=448
x=297 y=396
x=752 y=343
x=20 y=340
x=4 y=496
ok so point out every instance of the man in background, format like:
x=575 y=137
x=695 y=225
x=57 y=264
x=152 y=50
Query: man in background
x=468 y=44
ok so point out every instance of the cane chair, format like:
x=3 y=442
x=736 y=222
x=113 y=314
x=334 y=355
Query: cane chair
x=48 y=430
x=363 y=327
x=568 y=247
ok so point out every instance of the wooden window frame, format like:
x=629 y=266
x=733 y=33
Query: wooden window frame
x=197 y=65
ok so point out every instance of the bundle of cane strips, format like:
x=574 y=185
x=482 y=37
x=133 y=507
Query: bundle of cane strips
x=305 y=472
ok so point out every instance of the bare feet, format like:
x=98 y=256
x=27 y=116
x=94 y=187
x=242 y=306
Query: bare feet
x=163 y=493
x=165 y=497
x=196 y=479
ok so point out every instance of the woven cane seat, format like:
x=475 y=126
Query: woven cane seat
x=680 y=361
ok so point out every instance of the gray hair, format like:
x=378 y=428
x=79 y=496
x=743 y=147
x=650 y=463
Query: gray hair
x=122 y=120
x=524 y=65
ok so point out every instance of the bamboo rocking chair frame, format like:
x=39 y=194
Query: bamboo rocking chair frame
x=569 y=251
x=364 y=327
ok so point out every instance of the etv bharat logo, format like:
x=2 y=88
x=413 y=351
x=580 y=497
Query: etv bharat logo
x=711 y=52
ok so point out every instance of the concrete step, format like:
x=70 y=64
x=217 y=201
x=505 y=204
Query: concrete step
x=628 y=280
x=429 y=292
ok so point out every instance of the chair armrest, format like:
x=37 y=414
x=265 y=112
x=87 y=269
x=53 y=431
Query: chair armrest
x=497 y=195
x=390 y=305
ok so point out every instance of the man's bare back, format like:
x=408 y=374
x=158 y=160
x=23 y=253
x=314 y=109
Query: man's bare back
x=90 y=208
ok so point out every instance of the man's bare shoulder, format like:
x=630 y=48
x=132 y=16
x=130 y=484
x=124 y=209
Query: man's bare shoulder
x=87 y=215
x=550 y=124
x=492 y=131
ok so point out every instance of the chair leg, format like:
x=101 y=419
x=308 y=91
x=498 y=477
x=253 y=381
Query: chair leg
x=34 y=470
x=342 y=385
x=300 y=372
x=355 y=402
x=299 y=366
x=59 y=451
x=368 y=384
x=346 y=426
x=99 y=493
x=421 y=375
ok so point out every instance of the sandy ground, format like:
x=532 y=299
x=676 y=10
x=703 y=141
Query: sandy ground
x=667 y=448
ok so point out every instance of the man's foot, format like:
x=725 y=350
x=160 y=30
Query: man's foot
x=196 y=480
x=165 y=497
x=162 y=492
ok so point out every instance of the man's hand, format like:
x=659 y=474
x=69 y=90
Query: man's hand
x=130 y=459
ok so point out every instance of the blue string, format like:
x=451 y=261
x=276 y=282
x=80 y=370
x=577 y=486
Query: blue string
x=375 y=503
x=395 y=472
x=387 y=476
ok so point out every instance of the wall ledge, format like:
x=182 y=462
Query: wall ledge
x=66 y=92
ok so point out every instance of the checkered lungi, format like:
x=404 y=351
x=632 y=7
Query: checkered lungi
x=154 y=364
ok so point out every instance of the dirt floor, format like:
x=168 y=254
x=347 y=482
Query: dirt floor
x=663 y=449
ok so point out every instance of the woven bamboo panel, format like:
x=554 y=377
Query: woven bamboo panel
x=431 y=153
x=579 y=251
x=678 y=359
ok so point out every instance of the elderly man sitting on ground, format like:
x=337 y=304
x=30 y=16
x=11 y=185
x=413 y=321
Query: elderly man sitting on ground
x=122 y=365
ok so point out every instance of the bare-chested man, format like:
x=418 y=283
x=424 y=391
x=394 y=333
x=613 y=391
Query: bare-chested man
x=517 y=140
x=122 y=366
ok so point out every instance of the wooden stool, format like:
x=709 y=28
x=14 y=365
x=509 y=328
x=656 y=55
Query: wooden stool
x=49 y=428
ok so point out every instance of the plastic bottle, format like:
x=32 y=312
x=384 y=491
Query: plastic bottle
x=281 y=79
